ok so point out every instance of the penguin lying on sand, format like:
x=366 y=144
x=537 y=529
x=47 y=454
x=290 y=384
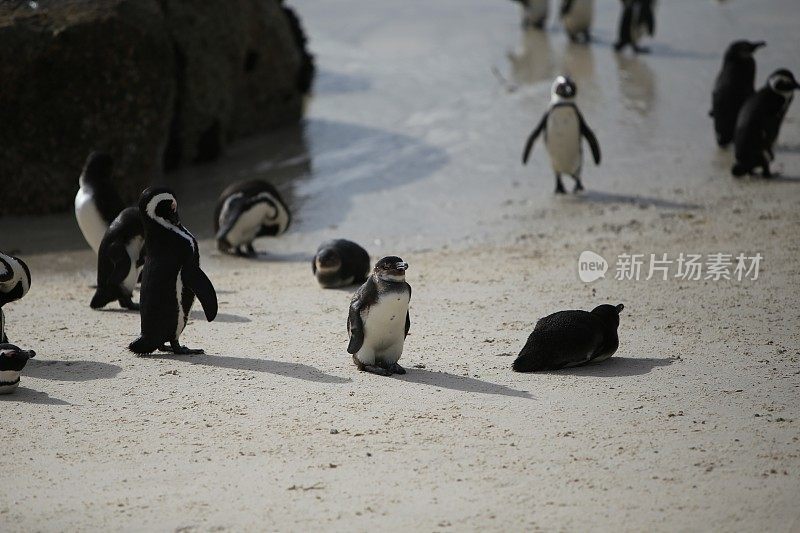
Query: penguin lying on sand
x=759 y=124
x=118 y=260
x=637 y=19
x=571 y=338
x=97 y=203
x=534 y=13
x=339 y=263
x=15 y=281
x=171 y=277
x=12 y=360
x=379 y=320
x=246 y=210
x=734 y=85
x=563 y=127
x=576 y=16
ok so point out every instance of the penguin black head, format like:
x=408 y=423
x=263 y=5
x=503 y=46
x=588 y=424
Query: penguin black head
x=16 y=353
x=609 y=313
x=564 y=87
x=328 y=259
x=739 y=50
x=97 y=168
x=158 y=204
x=782 y=81
x=391 y=268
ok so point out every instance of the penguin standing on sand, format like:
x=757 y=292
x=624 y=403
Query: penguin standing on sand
x=118 y=260
x=379 y=320
x=12 y=360
x=637 y=19
x=576 y=16
x=97 y=204
x=15 y=281
x=246 y=210
x=571 y=338
x=563 y=126
x=759 y=124
x=534 y=13
x=339 y=263
x=171 y=277
x=734 y=85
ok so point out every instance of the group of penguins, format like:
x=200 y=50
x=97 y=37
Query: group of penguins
x=148 y=243
x=750 y=119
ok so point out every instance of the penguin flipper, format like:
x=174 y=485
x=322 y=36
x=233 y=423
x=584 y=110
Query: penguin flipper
x=197 y=281
x=532 y=138
x=120 y=266
x=587 y=132
x=408 y=322
x=355 y=327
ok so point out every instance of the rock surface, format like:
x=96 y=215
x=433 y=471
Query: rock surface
x=155 y=83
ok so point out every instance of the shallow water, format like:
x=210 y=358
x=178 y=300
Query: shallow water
x=413 y=138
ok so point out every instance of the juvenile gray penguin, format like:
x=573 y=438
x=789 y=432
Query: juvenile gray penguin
x=339 y=263
x=379 y=320
x=571 y=338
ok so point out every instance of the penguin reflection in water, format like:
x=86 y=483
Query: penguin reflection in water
x=171 y=277
x=246 y=210
x=571 y=338
x=637 y=19
x=563 y=127
x=379 y=321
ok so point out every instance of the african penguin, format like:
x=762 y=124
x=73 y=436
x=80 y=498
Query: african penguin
x=571 y=338
x=15 y=281
x=563 y=127
x=12 y=360
x=171 y=277
x=637 y=19
x=734 y=85
x=576 y=16
x=760 y=122
x=97 y=204
x=118 y=260
x=339 y=263
x=534 y=13
x=378 y=321
x=246 y=210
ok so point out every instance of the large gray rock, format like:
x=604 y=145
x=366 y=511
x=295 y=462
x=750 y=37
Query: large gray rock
x=155 y=83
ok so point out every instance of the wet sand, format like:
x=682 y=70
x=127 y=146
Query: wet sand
x=412 y=147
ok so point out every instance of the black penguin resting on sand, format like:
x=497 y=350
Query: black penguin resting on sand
x=339 y=263
x=379 y=321
x=118 y=260
x=760 y=122
x=171 y=277
x=571 y=338
x=734 y=85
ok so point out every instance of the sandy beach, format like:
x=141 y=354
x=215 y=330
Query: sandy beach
x=694 y=424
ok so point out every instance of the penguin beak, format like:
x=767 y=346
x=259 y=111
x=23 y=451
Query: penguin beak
x=758 y=44
x=402 y=265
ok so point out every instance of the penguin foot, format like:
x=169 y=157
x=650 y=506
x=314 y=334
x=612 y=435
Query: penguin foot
x=560 y=189
x=379 y=370
x=127 y=303
x=578 y=187
x=177 y=349
x=397 y=369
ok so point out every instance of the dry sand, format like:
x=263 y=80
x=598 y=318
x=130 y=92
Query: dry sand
x=692 y=425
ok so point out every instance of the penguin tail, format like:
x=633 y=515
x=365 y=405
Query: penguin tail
x=739 y=170
x=143 y=346
x=100 y=299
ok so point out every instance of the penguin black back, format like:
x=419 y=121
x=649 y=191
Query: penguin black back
x=119 y=255
x=96 y=176
x=571 y=338
x=759 y=123
x=340 y=262
x=734 y=85
x=15 y=278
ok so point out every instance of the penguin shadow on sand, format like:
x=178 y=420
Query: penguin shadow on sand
x=445 y=380
x=616 y=367
x=600 y=197
x=70 y=370
x=227 y=318
x=26 y=395
x=268 y=366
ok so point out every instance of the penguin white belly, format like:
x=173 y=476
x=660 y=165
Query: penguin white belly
x=248 y=224
x=579 y=17
x=11 y=380
x=134 y=248
x=384 y=329
x=89 y=219
x=182 y=315
x=564 y=140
